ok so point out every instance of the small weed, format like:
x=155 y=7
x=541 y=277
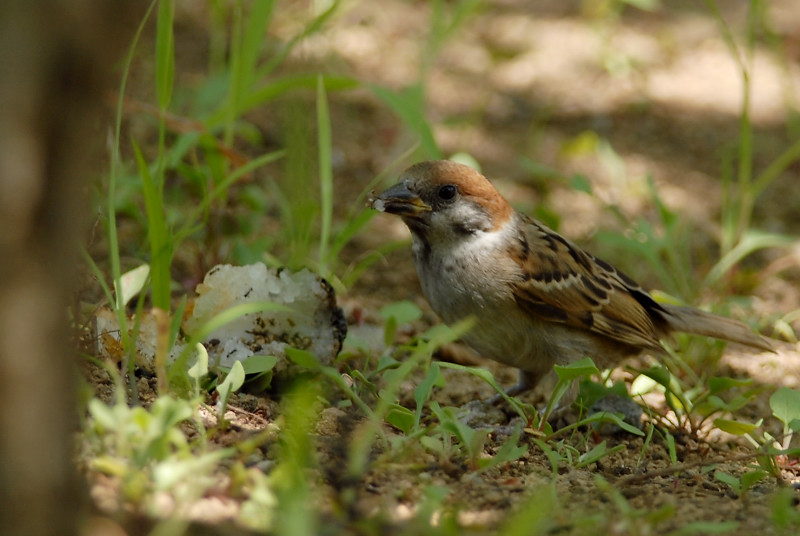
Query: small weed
x=147 y=452
x=233 y=382
x=773 y=454
x=289 y=480
x=471 y=441
x=785 y=405
x=785 y=515
x=741 y=484
x=628 y=519
x=692 y=407
x=536 y=516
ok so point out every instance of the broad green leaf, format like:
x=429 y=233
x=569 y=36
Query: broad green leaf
x=132 y=282
x=730 y=480
x=167 y=412
x=642 y=385
x=389 y=331
x=385 y=361
x=579 y=369
x=606 y=416
x=103 y=414
x=660 y=375
x=233 y=381
x=434 y=444
x=170 y=472
x=598 y=452
x=718 y=384
x=259 y=363
x=750 y=478
x=401 y=418
x=304 y=358
x=110 y=465
x=734 y=427
x=423 y=391
x=403 y=312
x=200 y=368
x=590 y=392
x=450 y=423
x=539 y=170
x=785 y=404
x=580 y=183
x=672 y=450
x=738 y=403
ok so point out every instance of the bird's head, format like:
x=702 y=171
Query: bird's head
x=445 y=200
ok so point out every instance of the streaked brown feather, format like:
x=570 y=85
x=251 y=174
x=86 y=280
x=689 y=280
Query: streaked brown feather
x=564 y=284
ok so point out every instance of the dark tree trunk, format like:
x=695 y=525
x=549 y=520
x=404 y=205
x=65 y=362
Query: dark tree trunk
x=55 y=58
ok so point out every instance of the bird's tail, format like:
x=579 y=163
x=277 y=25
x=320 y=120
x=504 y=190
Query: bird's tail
x=690 y=320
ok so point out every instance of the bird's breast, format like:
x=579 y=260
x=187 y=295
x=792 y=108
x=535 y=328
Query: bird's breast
x=465 y=279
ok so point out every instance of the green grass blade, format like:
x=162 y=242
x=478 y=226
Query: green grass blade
x=280 y=86
x=98 y=274
x=165 y=53
x=158 y=236
x=245 y=51
x=258 y=20
x=487 y=377
x=111 y=209
x=228 y=108
x=351 y=228
x=750 y=242
x=311 y=28
x=232 y=313
x=409 y=105
x=325 y=175
x=776 y=167
x=221 y=189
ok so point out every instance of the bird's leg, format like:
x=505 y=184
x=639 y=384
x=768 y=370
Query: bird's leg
x=568 y=398
x=487 y=412
x=528 y=380
x=525 y=382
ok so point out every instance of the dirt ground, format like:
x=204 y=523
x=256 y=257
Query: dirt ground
x=518 y=83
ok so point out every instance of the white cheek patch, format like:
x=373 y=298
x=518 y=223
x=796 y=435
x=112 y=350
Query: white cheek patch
x=491 y=240
x=483 y=243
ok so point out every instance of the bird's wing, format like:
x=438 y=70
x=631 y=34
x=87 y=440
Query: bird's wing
x=564 y=284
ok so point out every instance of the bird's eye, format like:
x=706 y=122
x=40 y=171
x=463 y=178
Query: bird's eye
x=446 y=192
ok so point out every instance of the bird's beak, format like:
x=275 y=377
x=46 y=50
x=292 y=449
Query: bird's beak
x=400 y=200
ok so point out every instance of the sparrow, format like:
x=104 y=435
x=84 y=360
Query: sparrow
x=539 y=299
